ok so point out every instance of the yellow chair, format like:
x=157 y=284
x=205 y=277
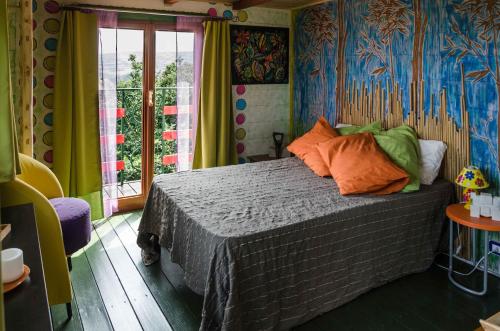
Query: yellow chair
x=36 y=184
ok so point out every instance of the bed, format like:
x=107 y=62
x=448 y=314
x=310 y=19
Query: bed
x=271 y=245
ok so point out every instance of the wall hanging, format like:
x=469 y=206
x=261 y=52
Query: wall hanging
x=259 y=55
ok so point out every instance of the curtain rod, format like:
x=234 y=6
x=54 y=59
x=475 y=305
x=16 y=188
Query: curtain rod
x=131 y=10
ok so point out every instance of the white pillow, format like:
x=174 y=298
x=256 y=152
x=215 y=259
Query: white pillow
x=431 y=156
x=342 y=125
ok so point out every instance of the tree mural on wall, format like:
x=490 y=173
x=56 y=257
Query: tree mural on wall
x=484 y=15
x=420 y=22
x=321 y=30
x=387 y=17
x=427 y=80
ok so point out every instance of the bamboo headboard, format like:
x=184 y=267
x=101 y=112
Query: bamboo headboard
x=361 y=107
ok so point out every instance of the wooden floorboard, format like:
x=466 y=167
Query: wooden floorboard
x=60 y=318
x=148 y=313
x=170 y=302
x=173 y=272
x=91 y=309
x=113 y=290
x=437 y=308
x=133 y=219
x=115 y=299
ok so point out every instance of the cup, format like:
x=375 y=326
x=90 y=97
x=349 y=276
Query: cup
x=475 y=211
x=486 y=199
x=12 y=264
x=495 y=214
x=485 y=211
x=496 y=202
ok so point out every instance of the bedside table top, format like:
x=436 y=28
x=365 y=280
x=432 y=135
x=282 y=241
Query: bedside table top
x=457 y=213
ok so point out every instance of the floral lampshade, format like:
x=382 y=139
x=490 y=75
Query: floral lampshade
x=471 y=177
x=472 y=180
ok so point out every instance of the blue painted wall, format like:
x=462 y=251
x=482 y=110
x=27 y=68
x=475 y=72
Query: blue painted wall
x=457 y=35
x=453 y=36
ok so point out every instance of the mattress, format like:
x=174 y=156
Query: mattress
x=271 y=245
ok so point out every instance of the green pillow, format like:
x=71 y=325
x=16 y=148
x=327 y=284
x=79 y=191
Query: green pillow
x=374 y=128
x=402 y=147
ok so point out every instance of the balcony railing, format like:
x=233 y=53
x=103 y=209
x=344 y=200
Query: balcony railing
x=129 y=135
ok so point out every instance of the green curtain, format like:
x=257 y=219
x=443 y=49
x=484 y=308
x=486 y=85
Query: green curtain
x=77 y=159
x=9 y=163
x=215 y=144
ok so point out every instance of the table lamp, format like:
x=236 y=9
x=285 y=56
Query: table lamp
x=472 y=180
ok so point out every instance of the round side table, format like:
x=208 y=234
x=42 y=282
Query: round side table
x=458 y=214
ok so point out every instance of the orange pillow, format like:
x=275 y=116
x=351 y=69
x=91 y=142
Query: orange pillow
x=358 y=165
x=305 y=149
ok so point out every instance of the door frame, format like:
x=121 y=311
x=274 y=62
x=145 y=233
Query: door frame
x=148 y=77
x=148 y=114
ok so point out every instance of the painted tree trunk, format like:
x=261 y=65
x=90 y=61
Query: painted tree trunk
x=420 y=26
x=341 y=67
x=324 y=101
x=391 y=67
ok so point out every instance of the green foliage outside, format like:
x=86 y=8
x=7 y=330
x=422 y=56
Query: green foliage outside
x=129 y=93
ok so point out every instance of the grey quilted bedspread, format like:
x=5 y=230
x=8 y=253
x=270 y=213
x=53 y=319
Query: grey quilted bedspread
x=270 y=245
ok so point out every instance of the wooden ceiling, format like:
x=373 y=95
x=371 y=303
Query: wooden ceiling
x=243 y=4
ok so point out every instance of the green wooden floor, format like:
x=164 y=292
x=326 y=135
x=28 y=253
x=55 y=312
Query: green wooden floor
x=114 y=290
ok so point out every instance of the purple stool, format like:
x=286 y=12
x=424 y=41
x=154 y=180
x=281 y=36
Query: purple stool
x=74 y=215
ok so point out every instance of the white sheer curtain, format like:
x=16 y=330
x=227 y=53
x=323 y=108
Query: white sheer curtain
x=108 y=109
x=189 y=29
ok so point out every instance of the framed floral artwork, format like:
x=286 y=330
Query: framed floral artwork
x=259 y=55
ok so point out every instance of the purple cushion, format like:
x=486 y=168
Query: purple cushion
x=74 y=215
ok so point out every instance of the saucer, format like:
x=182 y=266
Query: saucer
x=12 y=285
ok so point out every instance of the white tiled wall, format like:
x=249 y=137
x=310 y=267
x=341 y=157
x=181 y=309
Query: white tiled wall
x=268 y=106
x=267 y=111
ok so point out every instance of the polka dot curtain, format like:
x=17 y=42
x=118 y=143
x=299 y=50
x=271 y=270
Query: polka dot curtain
x=21 y=64
x=46 y=24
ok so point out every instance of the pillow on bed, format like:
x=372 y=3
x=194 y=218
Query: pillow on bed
x=432 y=154
x=305 y=149
x=402 y=147
x=374 y=127
x=358 y=165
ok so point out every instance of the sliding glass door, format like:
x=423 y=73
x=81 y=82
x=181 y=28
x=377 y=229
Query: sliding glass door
x=154 y=80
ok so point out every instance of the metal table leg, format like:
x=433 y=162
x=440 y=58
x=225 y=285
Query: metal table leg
x=485 y=266
x=474 y=244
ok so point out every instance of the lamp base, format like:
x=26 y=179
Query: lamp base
x=466 y=197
